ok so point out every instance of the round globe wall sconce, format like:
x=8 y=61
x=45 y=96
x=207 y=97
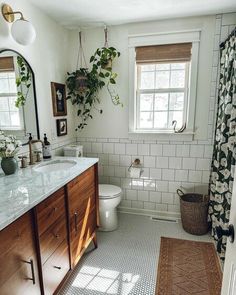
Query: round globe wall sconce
x=22 y=31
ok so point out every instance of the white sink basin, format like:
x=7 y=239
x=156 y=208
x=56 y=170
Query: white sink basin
x=55 y=165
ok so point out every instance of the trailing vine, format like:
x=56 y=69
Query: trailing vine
x=85 y=97
x=23 y=82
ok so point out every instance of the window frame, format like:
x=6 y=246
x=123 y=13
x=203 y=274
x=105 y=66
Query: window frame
x=169 y=90
x=20 y=111
x=162 y=38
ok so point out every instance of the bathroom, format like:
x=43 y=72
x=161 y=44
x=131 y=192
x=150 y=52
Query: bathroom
x=122 y=193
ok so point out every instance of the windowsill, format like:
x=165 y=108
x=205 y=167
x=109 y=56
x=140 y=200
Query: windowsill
x=168 y=135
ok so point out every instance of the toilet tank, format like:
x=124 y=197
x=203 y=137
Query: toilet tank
x=73 y=151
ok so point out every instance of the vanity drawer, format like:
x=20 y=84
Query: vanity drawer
x=52 y=238
x=83 y=181
x=80 y=235
x=50 y=210
x=55 y=268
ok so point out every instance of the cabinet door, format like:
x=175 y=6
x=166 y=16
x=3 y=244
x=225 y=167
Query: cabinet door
x=80 y=237
x=82 y=204
x=19 y=271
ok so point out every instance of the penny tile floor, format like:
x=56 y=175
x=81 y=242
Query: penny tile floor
x=125 y=262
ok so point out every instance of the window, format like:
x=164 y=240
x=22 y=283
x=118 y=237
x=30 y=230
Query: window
x=163 y=76
x=10 y=115
x=162 y=90
x=162 y=84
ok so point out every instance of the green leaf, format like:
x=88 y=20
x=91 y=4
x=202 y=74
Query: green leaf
x=112 y=81
x=18 y=81
x=91 y=59
x=114 y=75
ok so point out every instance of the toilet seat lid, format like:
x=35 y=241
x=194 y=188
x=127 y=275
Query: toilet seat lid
x=109 y=191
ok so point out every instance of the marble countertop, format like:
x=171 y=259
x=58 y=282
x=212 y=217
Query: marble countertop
x=26 y=188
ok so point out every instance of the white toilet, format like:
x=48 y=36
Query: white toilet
x=109 y=199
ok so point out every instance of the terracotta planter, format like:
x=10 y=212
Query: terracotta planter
x=107 y=65
x=9 y=165
x=81 y=83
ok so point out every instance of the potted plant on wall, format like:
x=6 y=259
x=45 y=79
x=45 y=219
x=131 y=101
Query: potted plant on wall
x=85 y=98
x=102 y=65
x=102 y=61
x=84 y=85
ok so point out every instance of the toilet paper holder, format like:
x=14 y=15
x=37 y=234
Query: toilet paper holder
x=135 y=164
x=135 y=169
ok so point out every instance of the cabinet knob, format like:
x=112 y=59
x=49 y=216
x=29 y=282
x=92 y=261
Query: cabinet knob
x=57 y=267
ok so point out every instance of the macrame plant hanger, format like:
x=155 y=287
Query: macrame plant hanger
x=108 y=66
x=81 y=79
x=106 y=36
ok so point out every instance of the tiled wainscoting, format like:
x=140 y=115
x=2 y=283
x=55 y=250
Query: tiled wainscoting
x=167 y=165
x=166 y=168
x=56 y=147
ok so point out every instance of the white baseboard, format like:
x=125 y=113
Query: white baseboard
x=146 y=212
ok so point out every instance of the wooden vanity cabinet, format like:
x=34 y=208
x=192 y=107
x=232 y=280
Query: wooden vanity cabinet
x=82 y=198
x=38 y=250
x=51 y=219
x=18 y=259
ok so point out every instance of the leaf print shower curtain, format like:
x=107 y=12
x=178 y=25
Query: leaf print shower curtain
x=224 y=154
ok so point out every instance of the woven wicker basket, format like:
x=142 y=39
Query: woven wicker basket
x=194 y=211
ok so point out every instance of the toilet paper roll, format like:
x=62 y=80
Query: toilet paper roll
x=135 y=172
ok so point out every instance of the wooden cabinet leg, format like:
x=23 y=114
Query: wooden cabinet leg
x=95 y=242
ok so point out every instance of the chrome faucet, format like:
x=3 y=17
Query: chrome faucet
x=30 y=142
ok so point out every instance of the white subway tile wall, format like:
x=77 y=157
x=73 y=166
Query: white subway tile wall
x=167 y=165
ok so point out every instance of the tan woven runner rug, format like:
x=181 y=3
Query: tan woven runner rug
x=188 y=267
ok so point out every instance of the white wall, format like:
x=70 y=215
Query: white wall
x=114 y=121
x=48 y=57
x=168 y=165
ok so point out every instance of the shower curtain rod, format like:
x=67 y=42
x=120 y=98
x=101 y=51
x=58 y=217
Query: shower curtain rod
x=230 y=35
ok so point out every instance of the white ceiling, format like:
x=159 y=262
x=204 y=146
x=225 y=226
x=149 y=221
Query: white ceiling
x=74 y=13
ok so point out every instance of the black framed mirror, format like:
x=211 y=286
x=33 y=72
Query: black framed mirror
x=18 y=101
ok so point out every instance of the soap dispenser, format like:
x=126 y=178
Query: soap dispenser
x=46 y=148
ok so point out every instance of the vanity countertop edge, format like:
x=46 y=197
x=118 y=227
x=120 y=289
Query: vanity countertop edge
x=25 y=189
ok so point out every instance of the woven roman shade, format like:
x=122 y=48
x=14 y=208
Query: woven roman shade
x=6 y=64
x=162 y=53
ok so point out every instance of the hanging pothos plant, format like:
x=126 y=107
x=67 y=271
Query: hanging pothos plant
x=83 y=85
x=23 y=82
x=85 y=97
x=102 y=65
